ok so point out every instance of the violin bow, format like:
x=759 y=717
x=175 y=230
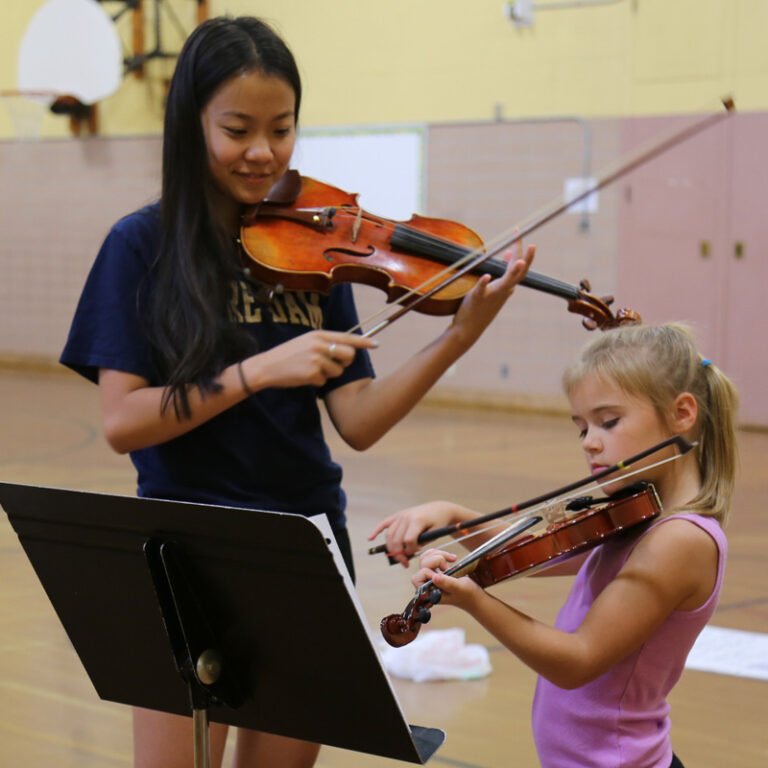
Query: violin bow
x=544 y=509
x=678 y=441
x=476 y=257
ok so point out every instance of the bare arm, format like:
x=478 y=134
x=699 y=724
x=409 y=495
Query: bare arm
x=362 y=410
x=365 y=410
x=673 y=568
x=131 y=409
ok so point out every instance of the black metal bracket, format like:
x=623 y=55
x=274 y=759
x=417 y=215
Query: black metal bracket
x=135 y=62
x=197 y=652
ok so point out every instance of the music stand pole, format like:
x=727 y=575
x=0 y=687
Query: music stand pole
x=195 y=648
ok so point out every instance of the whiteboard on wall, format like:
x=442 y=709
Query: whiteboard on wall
x=384 y=166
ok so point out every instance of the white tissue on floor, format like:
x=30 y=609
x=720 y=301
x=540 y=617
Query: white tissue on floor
x=440 y=654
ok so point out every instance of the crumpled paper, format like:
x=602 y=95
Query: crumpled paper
x=439 y=654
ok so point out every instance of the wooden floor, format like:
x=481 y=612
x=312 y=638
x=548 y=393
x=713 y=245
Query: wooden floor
x=50 y=714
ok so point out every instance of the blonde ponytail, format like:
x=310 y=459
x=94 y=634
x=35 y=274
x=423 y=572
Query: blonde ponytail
x=659 y=363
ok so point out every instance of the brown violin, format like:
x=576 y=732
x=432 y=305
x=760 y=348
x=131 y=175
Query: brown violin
x=333 y=240
x=306 y=235
x=560 y=540
x=676 y=442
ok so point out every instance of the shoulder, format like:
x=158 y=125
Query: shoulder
x=143 y=224
x=131 y=244
x=682 y=554
x=677 y=534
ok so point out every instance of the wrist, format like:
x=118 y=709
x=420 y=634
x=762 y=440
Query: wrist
x=243 y=380
x=474 y=600
x=459 y=514
x=457 y=339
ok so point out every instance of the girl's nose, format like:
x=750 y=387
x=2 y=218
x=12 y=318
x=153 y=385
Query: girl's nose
x=590 y=442
x=258 y=150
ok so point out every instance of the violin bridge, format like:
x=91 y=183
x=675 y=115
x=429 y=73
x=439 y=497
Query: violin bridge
x=356 y=225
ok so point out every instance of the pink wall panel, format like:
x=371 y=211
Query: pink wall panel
x=679 y=219
x=644 y=244
x=744 y=346
x=670 y=209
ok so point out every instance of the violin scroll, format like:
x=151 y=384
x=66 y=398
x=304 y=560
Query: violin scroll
x=399 y=629
x=597 y=312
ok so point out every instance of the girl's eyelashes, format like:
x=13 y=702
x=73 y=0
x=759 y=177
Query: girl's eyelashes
x=607 y=424
x=281 y=133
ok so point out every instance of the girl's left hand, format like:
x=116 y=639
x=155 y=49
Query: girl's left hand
x=461 y=592
x=486 y=299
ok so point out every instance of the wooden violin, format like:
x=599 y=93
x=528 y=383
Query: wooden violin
x=678 y=442
x=333 y=240
x=588 y=528
x=306 y=235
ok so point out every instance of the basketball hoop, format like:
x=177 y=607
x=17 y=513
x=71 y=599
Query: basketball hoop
x=26 y=110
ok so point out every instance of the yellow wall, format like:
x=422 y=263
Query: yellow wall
x=447 y=60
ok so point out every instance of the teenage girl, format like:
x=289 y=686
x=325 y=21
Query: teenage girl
x=210 y=385
x=639 y=600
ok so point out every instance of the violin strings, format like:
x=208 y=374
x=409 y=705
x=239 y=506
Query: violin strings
x=417 y=290
x=543 y=508
x=499 y=540
x=562 y=500
x=541 y=282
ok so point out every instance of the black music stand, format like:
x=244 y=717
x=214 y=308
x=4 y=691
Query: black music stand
x=244 y=617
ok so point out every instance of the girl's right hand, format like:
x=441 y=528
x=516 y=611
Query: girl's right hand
x=309 y=359
x=404 y=527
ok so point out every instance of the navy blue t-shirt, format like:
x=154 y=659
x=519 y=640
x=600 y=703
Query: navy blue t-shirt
x=267 y=452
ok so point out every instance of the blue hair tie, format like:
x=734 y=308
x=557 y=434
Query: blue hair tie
x=705 y=363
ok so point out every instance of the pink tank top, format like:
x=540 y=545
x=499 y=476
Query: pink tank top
x=620 y=719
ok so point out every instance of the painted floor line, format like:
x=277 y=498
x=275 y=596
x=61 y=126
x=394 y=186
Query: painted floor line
x=730 y=652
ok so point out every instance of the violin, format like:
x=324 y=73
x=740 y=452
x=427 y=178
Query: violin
x=307 y=235
x=333 y=240
x=560 y=540
x=677 y=442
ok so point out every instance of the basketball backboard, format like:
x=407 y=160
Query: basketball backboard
x=71 y=47
x=69 y=58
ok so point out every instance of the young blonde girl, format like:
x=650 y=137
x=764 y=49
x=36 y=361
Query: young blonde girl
x=639 y=600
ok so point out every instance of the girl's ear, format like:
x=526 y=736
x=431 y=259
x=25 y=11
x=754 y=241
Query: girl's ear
x=684 y=412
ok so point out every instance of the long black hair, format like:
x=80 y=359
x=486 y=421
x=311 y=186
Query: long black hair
x=188 y=323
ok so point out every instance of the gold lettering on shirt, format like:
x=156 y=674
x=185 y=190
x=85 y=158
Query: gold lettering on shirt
x=234 y=304
x=311 y=303
x=295 y=315
x=252 y=313
x=296 y=308
x=277 y=310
